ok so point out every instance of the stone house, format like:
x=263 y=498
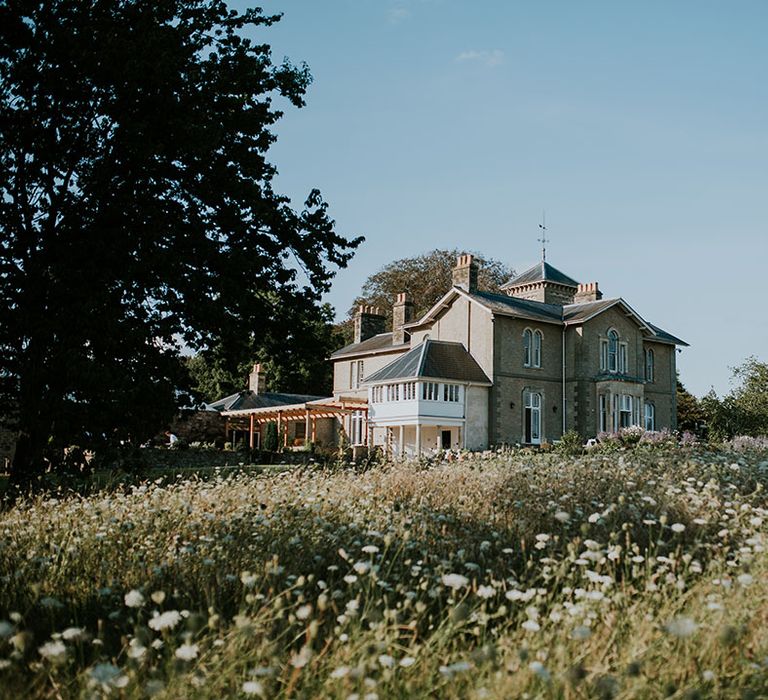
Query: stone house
x=481 y=369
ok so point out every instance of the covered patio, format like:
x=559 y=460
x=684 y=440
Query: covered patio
x=319 y=422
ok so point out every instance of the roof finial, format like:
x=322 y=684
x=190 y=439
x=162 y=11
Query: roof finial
x=543 y=240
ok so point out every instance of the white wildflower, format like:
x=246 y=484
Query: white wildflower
x=407 y=661
x=134 y=599
x=386 y=660
x=73 y=634
x=486 y=591
x=454 y=581
x=253 y=688
x=165 y=621
x=678 y=527
x=304 y=612
x=682 y=627
x=187 y=652
x=53 y=651
x=361 y=567
x=136 y=650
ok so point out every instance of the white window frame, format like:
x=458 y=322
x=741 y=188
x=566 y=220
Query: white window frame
x=356 y=428
x=623 y=359
x=533 y=402
x=649 y=416
x=625 y=409
x=538 y=341
x=603 y=413
x=356 y=373
x=650 y=366
x=613 y=351
x=527 y=347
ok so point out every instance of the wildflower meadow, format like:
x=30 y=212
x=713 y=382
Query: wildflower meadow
x=635 y=573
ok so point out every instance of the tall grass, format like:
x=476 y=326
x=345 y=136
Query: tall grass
x=631 y=575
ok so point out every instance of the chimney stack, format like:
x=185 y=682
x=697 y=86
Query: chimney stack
x=257 y=380
x=402 y=313
x=587 y=292
x=465 y=273
x=369 y=321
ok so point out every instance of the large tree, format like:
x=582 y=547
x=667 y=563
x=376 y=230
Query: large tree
x=137 y=212
x=426 y=278
x=743 y=411
x=294 y=362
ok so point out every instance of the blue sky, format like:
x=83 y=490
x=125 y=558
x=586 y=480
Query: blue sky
x=641 y=129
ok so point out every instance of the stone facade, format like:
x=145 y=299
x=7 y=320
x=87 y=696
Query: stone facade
x=559 y=357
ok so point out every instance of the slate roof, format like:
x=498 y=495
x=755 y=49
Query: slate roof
x=522 y=308
x=575 y=313
x=667 y=337
x=437 y=359
x=377 y=343
x=245 y=400
x=541 y=272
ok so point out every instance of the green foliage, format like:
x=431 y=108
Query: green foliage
x=570 y=444
x=137 y=214
x=271 y=441
x=426 y=278
x=690 y=415
x=744 y=411
x=294 y=361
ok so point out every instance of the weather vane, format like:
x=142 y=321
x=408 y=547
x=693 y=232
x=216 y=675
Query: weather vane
x=543 y=240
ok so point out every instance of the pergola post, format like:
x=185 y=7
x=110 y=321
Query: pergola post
x=314 y=428
x=307 y=430
x=279 y=427
x=418 y=440
x=251 y=442
x=401 y=446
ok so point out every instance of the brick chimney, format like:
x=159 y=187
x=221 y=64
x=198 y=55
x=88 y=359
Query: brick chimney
x=257 y=380
x=369 y=321
x=587 y=292
x=465 y=273
x=402 y=313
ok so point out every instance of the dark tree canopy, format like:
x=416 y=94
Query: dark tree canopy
x=137 y=212
x=690 y=416
x=426 y=278
x=295 y=363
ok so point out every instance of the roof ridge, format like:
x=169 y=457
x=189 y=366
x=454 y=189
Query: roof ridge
x=423 y=358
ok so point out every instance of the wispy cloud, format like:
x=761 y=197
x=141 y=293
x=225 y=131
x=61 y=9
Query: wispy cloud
x=398 y=14
x=494 y=57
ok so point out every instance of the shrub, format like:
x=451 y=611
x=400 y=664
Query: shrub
x=570 y=444
x=270 y=437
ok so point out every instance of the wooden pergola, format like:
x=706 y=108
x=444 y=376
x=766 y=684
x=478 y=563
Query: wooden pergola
x=247 y=419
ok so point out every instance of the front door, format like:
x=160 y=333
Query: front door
x=532 y=418
x=445 y=439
